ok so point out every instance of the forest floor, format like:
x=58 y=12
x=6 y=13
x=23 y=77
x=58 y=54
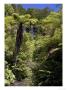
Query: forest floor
x=28 y=80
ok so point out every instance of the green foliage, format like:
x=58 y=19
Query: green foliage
x=40 y=55
x=33 y=21
x=54 y=18
x=38 y=13
x=49 y=71
x=19 y=70
x=51 y=22
x=25 y=18
x=9 y=76
x=48 y=56
x=20 y=10
x=22 y=56
x=9 y=23
x=28 y=45
x=16 y=16
x=8 y=9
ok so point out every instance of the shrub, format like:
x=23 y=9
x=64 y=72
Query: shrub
x=9 y=77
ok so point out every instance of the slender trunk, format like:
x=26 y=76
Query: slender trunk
x=18 y=43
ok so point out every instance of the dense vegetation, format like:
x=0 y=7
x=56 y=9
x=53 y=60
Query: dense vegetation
x=33 y=46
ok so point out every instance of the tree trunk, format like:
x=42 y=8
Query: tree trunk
x=18 y=43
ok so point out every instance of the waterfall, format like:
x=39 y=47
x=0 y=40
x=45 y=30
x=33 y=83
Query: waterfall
x=24 y=29
x=32 y=32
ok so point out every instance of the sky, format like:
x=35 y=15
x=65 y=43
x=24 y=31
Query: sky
x=55 y=7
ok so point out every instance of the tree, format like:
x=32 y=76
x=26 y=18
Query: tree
x=19 y=38
x=51 y=22
x=8 y=10
x=20 y=10
x=38 y=13
x=33 y=46
x=48 y=70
